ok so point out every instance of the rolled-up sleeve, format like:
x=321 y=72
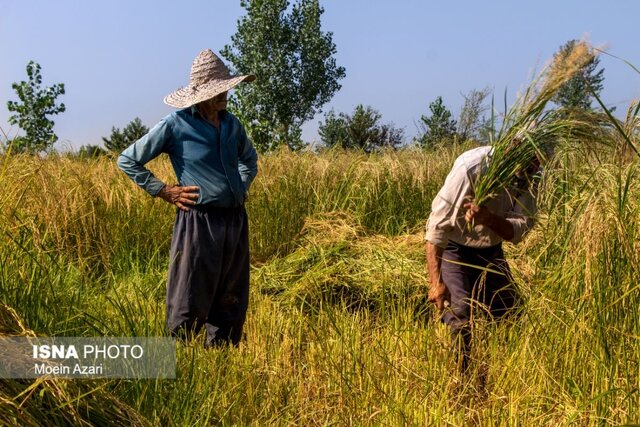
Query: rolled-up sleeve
x=150 y=146
x=446 y=206
x=522 y=217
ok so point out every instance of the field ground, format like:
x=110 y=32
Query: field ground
x=339 y=330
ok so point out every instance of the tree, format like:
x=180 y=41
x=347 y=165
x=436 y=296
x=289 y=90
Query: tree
x=35 y=105
x=292 y=59
x=333 y=131
x=119 y=140
x=360 y=130
x=577 y=92
x=91 y=151
x=438 y=127
x=471 y=119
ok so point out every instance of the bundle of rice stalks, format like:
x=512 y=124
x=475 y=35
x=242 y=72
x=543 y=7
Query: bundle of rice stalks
x=628 y=132
x=529 y=132
x=51 y=402
x=629 y=129
x=336 y=262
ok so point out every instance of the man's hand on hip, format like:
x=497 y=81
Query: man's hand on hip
x=179 y=196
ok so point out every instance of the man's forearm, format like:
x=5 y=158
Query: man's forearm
x=438 y=292
x=140 y=175
x=434 y=262
x=501 y=227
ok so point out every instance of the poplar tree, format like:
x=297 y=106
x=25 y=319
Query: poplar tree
x=293 y=60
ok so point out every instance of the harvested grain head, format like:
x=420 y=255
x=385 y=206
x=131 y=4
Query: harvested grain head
x=529 y=131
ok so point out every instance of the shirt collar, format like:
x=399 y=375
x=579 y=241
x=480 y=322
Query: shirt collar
x=195 y=113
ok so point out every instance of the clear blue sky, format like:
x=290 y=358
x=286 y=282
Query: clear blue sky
x=118 y=58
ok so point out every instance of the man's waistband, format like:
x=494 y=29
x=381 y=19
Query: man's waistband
x=459 y=247
x=211 y=208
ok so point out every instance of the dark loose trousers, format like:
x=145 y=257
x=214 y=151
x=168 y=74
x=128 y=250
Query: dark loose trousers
x=208 y=281
x=474 y=290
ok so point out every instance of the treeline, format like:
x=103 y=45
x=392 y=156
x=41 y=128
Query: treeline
x=293 y=59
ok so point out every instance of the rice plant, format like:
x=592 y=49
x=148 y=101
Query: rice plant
x=338 y=331
x=529 y=131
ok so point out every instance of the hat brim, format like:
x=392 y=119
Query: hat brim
x=188 y=96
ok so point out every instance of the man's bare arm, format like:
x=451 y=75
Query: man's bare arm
x=438 y=292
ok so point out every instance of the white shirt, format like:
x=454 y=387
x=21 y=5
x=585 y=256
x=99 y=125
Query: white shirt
x=446 y=222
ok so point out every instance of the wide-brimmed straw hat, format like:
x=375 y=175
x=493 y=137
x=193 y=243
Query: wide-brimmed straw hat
x=209 y=77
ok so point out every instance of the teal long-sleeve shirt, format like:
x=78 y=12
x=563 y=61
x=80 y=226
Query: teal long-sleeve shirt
x=223 y=163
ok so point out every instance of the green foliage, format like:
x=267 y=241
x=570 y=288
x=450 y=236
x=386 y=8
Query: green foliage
x=360 y=130
x=91 y=151
x=119 y=140
x=333 y=131
x=35 y=105
x=471 y=123
x=577 y=92
x=292 y=59
x=438 y=127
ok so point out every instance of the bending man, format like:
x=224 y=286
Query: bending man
x=466 y=264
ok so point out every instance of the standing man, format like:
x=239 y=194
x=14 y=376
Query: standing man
x=215 y=163
x=466 y=264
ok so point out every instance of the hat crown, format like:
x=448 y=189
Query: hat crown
x=209 y=78
x=207 y=67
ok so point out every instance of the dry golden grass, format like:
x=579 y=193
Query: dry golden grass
x=339 y=331
x=56 y=402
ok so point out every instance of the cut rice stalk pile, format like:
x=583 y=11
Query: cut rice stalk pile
x=337 y=262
